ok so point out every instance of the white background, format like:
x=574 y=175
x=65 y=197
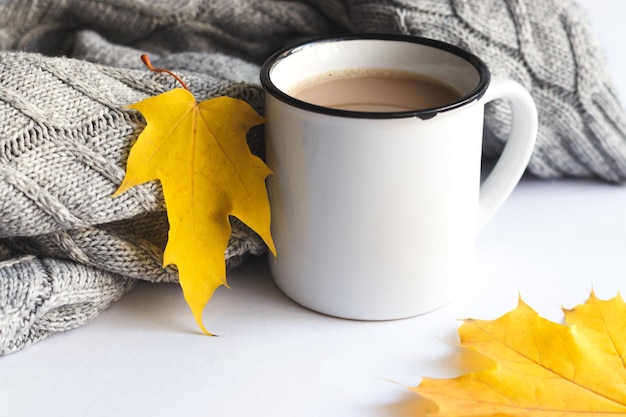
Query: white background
x=551 y=243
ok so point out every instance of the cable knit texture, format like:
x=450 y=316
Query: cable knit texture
x=69 y=68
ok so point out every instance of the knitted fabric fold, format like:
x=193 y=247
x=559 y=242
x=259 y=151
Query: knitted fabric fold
x=69 y=69
x=40 y=297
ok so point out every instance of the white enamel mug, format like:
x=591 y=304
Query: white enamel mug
x=375 y=215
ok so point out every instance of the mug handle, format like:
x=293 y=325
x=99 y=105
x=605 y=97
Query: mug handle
x=510 y=167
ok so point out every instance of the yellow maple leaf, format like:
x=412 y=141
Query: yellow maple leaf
x=199 y=153
x=541 y=368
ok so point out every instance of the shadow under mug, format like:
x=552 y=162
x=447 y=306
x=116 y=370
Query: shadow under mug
x=375 y=214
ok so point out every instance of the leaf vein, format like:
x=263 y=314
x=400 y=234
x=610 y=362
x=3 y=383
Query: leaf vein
x=551 y=370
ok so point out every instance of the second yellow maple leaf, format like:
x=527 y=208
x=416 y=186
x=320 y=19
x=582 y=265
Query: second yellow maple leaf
x=199 y=153
x=541 y=368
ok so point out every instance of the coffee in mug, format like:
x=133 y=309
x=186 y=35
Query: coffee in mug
x=375 y=90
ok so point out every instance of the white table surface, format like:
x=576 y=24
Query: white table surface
x=551 y=243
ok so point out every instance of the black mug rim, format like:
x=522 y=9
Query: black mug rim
x=480 y=89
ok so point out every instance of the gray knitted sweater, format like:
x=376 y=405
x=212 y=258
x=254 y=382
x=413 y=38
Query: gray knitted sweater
x=69 y=68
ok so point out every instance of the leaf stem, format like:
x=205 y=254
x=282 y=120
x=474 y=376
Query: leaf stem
x=146 y=61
